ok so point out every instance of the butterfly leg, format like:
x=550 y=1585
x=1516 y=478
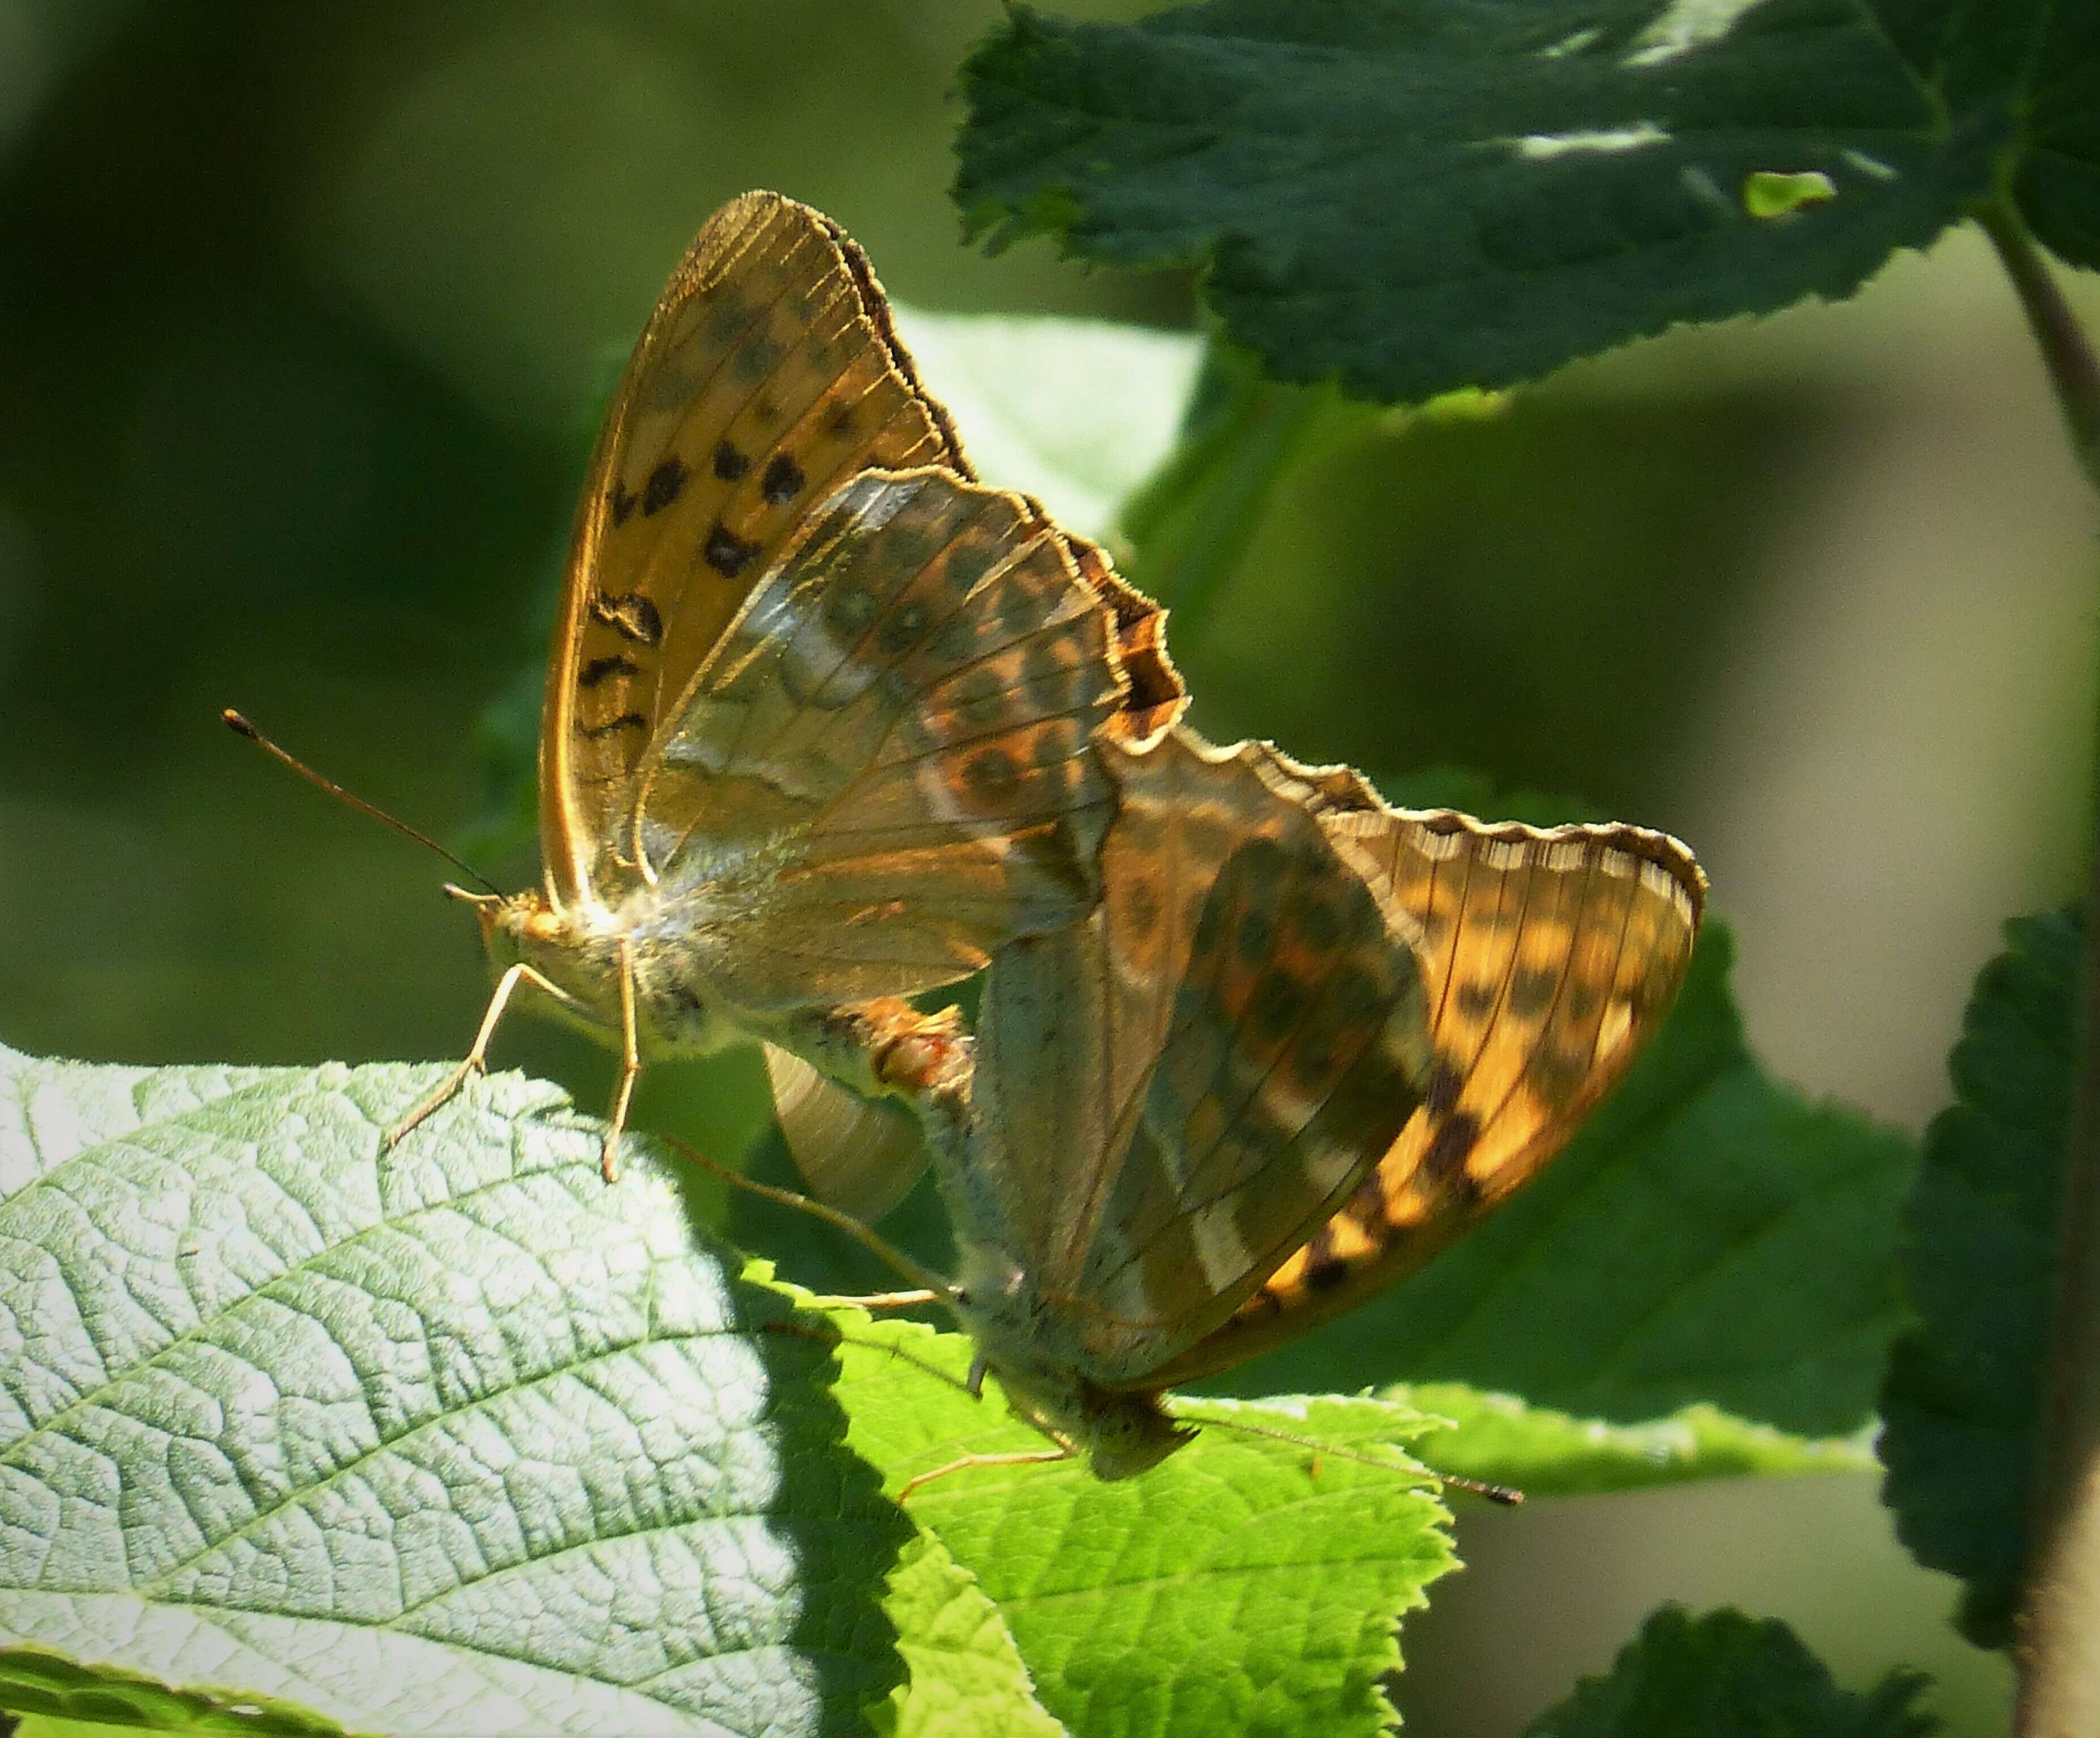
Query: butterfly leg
x=963 y=1462
x=630 y=1067
x=476 y=1058
x=874 y=1300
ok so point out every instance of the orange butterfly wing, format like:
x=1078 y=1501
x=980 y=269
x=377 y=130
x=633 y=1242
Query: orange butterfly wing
x=769 y=373
x=1551 y=956
x=1170 y=1095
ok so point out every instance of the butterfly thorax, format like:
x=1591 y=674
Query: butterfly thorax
x=583 y=949
x=1121 y=1434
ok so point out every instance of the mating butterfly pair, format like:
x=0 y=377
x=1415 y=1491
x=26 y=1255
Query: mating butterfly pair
x=829 y=723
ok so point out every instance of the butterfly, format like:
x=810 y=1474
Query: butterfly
x=1305 y=1040
x=821 y=722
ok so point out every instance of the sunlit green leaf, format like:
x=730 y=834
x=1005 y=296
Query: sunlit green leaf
x=1500 y=1439
x=446 y=1438
x=1249 y=1584
x=967 y=1678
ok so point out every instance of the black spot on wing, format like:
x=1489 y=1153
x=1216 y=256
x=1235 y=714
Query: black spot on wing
x=662 y=488
x=1444 y=1160
x=782 y=481
x=621 y=503
x=600 y=669
x=1531 y=992
x=629 y=613
x=613 y=726
x=901 y=631
x=991 y=775
x=1445 y=1082
x=1277 y=1004
x=1475 y=999
x=730 y=464
x=726 y=552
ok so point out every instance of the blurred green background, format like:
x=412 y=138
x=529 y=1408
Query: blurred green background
x=304 y=314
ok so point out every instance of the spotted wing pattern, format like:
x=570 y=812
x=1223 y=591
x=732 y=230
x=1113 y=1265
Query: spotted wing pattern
x=1551 y=958
x=1171 y=1096
x=769 y=374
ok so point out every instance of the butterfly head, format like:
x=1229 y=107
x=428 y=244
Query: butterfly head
x=1127 y=1434
x=516 y=926
x=1121 y=1433
x=563 y=947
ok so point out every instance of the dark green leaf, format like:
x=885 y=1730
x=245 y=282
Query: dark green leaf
x=1708 y=1236
x=448 y=1438
x=1725 y=1675
x=1412 y=196
x=2056 y=176
x=1963 y=1395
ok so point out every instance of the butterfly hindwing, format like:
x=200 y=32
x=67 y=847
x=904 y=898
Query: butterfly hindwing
x=887 y=767
x=1551 y=955
x=1172 y=1095
x=860 y=1155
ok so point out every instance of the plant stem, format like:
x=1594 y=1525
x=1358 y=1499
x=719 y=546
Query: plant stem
x=2058 y=1653
x=2072 y=368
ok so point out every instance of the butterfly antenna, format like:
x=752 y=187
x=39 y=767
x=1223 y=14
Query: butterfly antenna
x=1505 y=1495
x=242 y=727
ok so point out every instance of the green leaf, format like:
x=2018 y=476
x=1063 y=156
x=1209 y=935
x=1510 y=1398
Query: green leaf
x=1708 y=1235
x=2056 y=173
x=1248 y=1584
x=1412 y=196
x=1498 y=1439
x=42 y=1725
x=1963 y=1397
x=967 y=1678
x=1726 y=1675
x=446 y=1438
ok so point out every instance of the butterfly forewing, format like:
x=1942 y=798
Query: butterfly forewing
x=769 y=374
x=1171 y=1096
x=1551 y=957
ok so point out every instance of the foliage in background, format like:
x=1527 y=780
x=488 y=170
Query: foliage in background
x=1413 y=196
x=1723 y=1675
x=1962 y=1400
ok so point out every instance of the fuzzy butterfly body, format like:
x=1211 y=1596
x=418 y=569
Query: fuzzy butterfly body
x=821 y=717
